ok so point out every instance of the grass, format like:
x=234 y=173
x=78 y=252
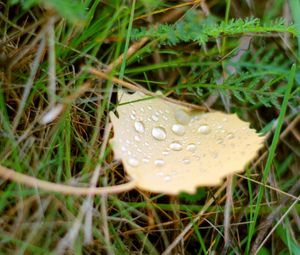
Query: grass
x=202 y=57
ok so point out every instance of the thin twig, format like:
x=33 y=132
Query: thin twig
x=133 y=87
x=10 y=174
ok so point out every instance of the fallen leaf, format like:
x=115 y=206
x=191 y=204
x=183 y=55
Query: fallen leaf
x=168 y=148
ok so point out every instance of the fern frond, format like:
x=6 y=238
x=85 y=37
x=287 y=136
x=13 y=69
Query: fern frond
x=202 y=30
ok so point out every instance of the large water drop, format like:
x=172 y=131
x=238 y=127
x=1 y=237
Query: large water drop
x=204 y=129
x=178 y=129
x=139 y=126
x=182 y=117
x=159 y=133
x=176 y=146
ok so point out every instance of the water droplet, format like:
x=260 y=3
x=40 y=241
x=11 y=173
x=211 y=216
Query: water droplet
x=167 y=178
x=165 y=153
x=137 y=138
x=178 y=129
x=133 y=112
x=165 y=117
x=145 y=160
x=133 y=162
x=219 y=141
x=154 y=118
x=147 y=144
x=176 y=146
x=186 y=161
x=195 y=118
x=204 y=129
x=132 y=116
x=142 y=109
x=167 y=111
x=149 y=107
x=159 y=162
x=230 y=136
x=159 y=133
x=160 y=173
x=123 y=148
x=191 y=147
x=139 y=126
x=128 y=141
x=182 y=117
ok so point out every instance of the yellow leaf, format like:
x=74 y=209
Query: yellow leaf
x=169 y=148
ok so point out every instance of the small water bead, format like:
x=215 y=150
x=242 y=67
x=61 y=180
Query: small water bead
x=137 y=138
x=147 y=144
x=204 y=129
x=186 y=161
x=175 y=146
x=230 y=136
x=182 y=117
x=178 y=129
x=133 y=162
x=142 y=109
x=154 y=118
x=219 y=141
x=132 y=116
x=165 y=117
x=139 y=126
x=149 y=107
x=191 y=147
x=145 y=160
x=165 y=153
x=159 y=133
x=160 y=173
x=123 y=148
x=167 y=178
x=159 y=162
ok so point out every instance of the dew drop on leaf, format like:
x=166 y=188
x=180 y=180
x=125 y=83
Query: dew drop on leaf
x=204 y=129
x=139 y=126
x=159 y=133
x=178 y=129
x=176 y=146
